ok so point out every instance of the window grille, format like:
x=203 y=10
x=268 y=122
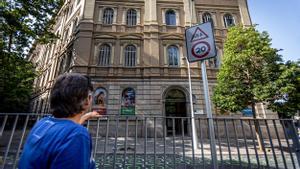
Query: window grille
x=130 y=56
x=131 y=17
x=228 y=20
x=170 y=17
x=173 y=55
x=108 y=16
x=104 y=55
x=206 y=17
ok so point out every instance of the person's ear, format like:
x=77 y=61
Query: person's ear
x=85 y=104
x=87 y=101
x=90 y=98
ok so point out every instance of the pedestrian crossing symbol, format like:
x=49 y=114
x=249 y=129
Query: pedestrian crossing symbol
x=198 y=35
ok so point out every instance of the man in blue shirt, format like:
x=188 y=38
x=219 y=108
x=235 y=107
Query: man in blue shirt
x=61 y=142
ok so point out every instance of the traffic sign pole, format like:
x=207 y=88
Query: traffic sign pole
x=194 y=133
x=209 y=116
x=201 y=46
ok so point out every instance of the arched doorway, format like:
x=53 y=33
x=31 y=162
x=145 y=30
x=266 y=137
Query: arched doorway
x=175 y=106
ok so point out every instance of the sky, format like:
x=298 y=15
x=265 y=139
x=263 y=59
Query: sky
x=281 y=19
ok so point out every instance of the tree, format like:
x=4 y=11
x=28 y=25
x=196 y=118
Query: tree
x=23 y=23
x=17 y=75
x=286 y=93
x=249 y=69
x=26 y=22
x=286 y=99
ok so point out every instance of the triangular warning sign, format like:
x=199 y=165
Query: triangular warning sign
x=199 y=35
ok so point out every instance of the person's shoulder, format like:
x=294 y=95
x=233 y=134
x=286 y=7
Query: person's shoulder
x=41 y=122
x=67 y=126
x=79 y=134
x=71 y=131
x=79 y=130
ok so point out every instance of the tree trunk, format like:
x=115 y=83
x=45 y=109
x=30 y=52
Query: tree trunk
x=257 y=129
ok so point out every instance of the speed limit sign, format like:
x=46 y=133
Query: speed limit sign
x=200 y=42
x=200 y=49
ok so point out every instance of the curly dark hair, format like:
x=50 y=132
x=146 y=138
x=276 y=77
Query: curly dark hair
x=68 y=94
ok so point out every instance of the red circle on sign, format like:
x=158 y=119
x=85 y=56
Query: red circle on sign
x=203 y=54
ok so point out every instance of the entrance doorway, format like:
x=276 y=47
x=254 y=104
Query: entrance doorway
x=175 y=106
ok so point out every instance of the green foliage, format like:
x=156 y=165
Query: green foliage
x=17 y=77
x=249 y=68
x=286 y=93
x=23 y=22
x=26 y=22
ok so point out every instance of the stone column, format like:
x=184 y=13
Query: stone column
x=150 y=12
x=83 y=45
x=89 y=10
x=187 y=12
x=190 y=12
x=151 y=42
x=244 y=12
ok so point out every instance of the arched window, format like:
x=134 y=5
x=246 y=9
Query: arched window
x=130 y=55
x=61 y=66
x=206 y=17
x=128 y=102
x=131 y=17
x=41 y=107
x=36 y=107
x=66 y=35
x=104 y=55
x=108 y=16
x=214 y=62
x=75 y=24
x=70 y=10
x=100 y=100
x=69 y=58
x=228 y=20
x=170 y=17
x=173 y=55
x=66 y=12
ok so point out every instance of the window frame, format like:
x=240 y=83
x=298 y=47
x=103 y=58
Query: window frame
x=108 y=18
x=130 y=55
x=169 y=14
x=131 y=17
x=104 y=60
x=207 y=17
x=225 y=19
x=75 y=23
x=172 y=56
x=66 y=34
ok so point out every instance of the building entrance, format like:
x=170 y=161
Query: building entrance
x=175 y=106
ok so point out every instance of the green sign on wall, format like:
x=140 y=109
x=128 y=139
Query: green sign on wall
x=129 y=110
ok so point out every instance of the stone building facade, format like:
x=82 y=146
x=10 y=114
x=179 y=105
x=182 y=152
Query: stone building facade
x=134 y=51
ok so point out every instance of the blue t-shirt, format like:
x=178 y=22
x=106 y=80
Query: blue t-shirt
x=57 y=144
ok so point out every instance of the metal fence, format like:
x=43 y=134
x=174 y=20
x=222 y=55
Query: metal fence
x=166 y=142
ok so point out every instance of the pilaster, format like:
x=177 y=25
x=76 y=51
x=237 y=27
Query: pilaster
x=88 y=10
x=244 y=13
x=150 y=12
